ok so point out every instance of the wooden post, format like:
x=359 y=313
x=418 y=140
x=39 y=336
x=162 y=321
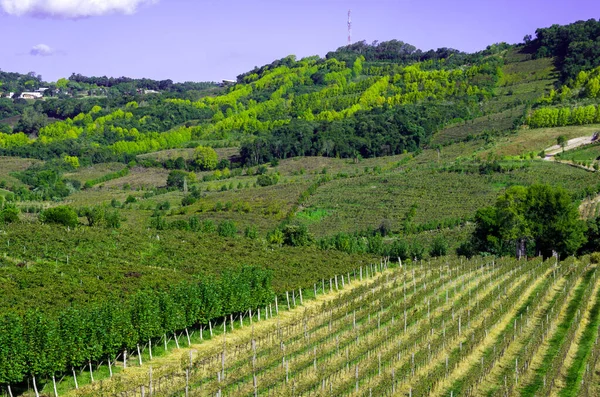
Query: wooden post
x=75 y=378
x=187 y=381
x=150 y=351
x=150 y=377
x=276 y=306
x=125 y=359
x=54 y=384
x=210 y=327
x=287 y=297
x=301 y=301
x=139 y=357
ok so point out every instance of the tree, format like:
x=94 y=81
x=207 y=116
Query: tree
x=540 y=214
x=561 y=141
x=177 y=179
x=62 y=215
x=206 y=158
x=31 y=121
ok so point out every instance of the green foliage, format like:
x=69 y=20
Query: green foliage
x=560 y=117
x=206 y=158
x=105 y=178
x=40 y=344
x=227 y=229
x=575 y=46
x=94 y=215
x=544 y=215
x=296 y=235
x=177 y=179
x=9 y=213
x=439 y=247
x=61 y=215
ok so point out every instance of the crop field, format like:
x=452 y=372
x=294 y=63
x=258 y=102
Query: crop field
x=355 y=204
x=497 y=122
x=481 y=327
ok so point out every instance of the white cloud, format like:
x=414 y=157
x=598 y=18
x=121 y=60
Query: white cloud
x=71 y=9
x=41 y=50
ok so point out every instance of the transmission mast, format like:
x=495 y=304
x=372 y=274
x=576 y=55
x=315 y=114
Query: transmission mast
x=349 y=27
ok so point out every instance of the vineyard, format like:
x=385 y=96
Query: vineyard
x=485 y=327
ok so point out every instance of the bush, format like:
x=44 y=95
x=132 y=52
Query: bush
x=251 y=232
x=9 y=214
x=188 y=200
x=227 y=229
x=439 y=247
x=113 y=219
x=296 y=235
x=94 y=215
x=177 y=179
x=62 y=215
x=164 y=206
x=130 y=199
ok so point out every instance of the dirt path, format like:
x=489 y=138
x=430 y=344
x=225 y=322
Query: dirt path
x=571 y=144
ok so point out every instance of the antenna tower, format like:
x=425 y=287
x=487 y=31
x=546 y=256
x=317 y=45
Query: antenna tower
x=349 y=27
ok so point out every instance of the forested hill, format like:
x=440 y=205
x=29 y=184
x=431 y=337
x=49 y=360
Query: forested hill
x=360 y=100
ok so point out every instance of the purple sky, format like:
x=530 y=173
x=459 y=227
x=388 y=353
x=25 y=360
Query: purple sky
x=212 y=40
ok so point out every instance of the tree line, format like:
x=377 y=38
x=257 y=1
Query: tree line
x=37 y=344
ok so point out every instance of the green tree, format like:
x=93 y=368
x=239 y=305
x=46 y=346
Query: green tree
x=561 y=141
x=62 y=215
x=206 y=158
x=540 y=214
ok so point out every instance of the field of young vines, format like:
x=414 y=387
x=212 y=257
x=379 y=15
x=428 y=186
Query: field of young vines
x=484 y=327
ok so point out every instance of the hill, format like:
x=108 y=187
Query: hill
x=144 y=208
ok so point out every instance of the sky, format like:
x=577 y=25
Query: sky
x=211 y=40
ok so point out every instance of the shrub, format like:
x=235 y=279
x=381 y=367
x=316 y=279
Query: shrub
x=227 y=229
x=188 y=200
x=251 y=232
x=113 y=219
x=62 y=215
x=296 y=235
x=439 y=247
x=94 y=215
x=9 y=214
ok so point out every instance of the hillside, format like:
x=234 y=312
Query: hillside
x=132 y=210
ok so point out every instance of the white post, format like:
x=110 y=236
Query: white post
x=75 y=378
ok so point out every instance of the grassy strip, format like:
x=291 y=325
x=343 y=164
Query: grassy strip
x=558 y=339
x=576 y=371
x=105 y=178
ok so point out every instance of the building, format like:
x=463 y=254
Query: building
x=31 y=95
